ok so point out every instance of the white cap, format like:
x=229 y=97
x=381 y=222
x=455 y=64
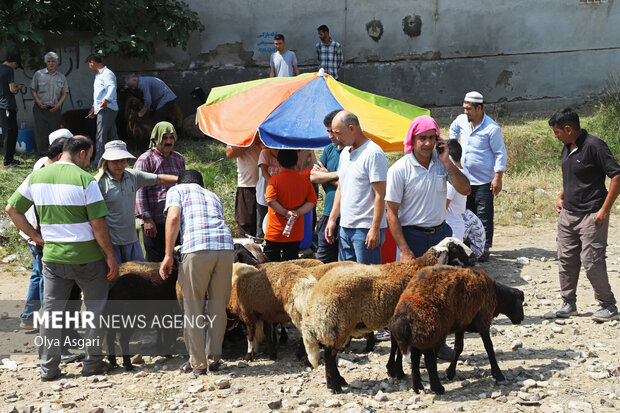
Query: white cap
x=115 y=150
x=473 y=97
x=60 y=133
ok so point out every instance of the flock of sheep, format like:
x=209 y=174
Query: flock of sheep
x=420 y=301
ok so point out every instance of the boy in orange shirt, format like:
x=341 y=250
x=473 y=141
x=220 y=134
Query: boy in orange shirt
x=288 y=194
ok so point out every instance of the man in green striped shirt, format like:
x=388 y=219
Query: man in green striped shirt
x=75 y=240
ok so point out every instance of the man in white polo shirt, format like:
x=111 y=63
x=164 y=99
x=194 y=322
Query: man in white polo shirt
x=417 y=188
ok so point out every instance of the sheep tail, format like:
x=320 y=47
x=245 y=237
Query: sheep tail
x=259 y=333
x=400 y=327
x=311 y=343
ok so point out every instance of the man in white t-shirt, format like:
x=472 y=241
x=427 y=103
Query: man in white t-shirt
x=283 y=63
x=416 y=190
x=247 y=177
x=360 y=197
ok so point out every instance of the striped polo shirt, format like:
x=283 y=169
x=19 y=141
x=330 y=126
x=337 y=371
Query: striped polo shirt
x=66 y=199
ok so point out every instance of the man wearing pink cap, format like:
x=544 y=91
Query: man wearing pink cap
x=417 y=188
x=416 y=196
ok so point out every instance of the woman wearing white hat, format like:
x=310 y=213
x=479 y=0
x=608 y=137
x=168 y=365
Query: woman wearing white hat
x=118 y=186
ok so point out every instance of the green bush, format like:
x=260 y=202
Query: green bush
x=605 y=123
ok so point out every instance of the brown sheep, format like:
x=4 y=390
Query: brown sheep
x=441 y=300
x=266 y=295
x=320 y=270
x=355 y=300
x=317 y=269
x=300 y=262
x=138 y=130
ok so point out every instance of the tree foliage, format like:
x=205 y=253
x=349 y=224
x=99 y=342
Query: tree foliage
x=126 y=28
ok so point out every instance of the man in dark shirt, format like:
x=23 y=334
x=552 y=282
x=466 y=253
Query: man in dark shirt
x=325 y=172
x=584 y=205
x=8 y=108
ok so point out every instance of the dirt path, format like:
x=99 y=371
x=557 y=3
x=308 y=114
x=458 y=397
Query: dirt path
x=551 y=365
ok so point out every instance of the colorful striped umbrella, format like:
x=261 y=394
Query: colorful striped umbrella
x=288 y=112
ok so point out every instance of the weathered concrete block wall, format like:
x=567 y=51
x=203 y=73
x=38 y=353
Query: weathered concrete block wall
x=527 y=53
x=425 y=52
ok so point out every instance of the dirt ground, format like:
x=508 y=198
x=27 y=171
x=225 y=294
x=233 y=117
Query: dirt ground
x=551 y=365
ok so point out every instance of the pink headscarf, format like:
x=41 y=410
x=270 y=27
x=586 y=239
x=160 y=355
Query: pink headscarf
x=419 y=125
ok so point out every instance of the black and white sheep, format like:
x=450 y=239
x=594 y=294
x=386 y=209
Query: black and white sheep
x=442 y=300
x=355 y=300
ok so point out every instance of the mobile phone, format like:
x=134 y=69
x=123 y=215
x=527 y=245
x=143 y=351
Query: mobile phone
x=438 y=147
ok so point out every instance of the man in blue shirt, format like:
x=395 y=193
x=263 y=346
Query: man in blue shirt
x=325 y=172
x=105 y=106
x=157 y=96
x=484 y=157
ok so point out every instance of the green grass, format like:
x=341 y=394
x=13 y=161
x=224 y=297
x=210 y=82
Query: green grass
x=531 y=183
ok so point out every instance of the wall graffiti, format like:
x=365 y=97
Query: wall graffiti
x=264 y=42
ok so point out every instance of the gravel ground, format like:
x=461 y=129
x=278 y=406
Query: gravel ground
x=551 y=365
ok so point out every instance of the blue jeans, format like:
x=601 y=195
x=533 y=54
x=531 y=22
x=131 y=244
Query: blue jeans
x=480 y=202
x=351 y=246
x=35 y=289
x=326 y=252
x=419 y=242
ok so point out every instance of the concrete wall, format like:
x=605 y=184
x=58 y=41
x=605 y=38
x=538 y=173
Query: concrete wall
x=528 y=54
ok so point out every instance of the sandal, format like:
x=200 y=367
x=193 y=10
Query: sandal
x=101 y=369
x=187 y=368
x=215 y=366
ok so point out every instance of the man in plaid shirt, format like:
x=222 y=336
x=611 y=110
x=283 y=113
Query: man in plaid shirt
x=328 y=52
x=205 y=268
x=151 y=200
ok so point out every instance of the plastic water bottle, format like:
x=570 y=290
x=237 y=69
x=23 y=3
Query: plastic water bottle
x=289 y=226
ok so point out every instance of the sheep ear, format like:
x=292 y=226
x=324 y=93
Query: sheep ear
x=443 y=258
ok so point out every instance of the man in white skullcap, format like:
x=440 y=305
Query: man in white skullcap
x=484 y=158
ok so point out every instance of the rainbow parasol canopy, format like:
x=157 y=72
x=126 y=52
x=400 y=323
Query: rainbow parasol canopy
x=288 y=112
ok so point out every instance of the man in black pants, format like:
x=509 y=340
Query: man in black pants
x=8 y=107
